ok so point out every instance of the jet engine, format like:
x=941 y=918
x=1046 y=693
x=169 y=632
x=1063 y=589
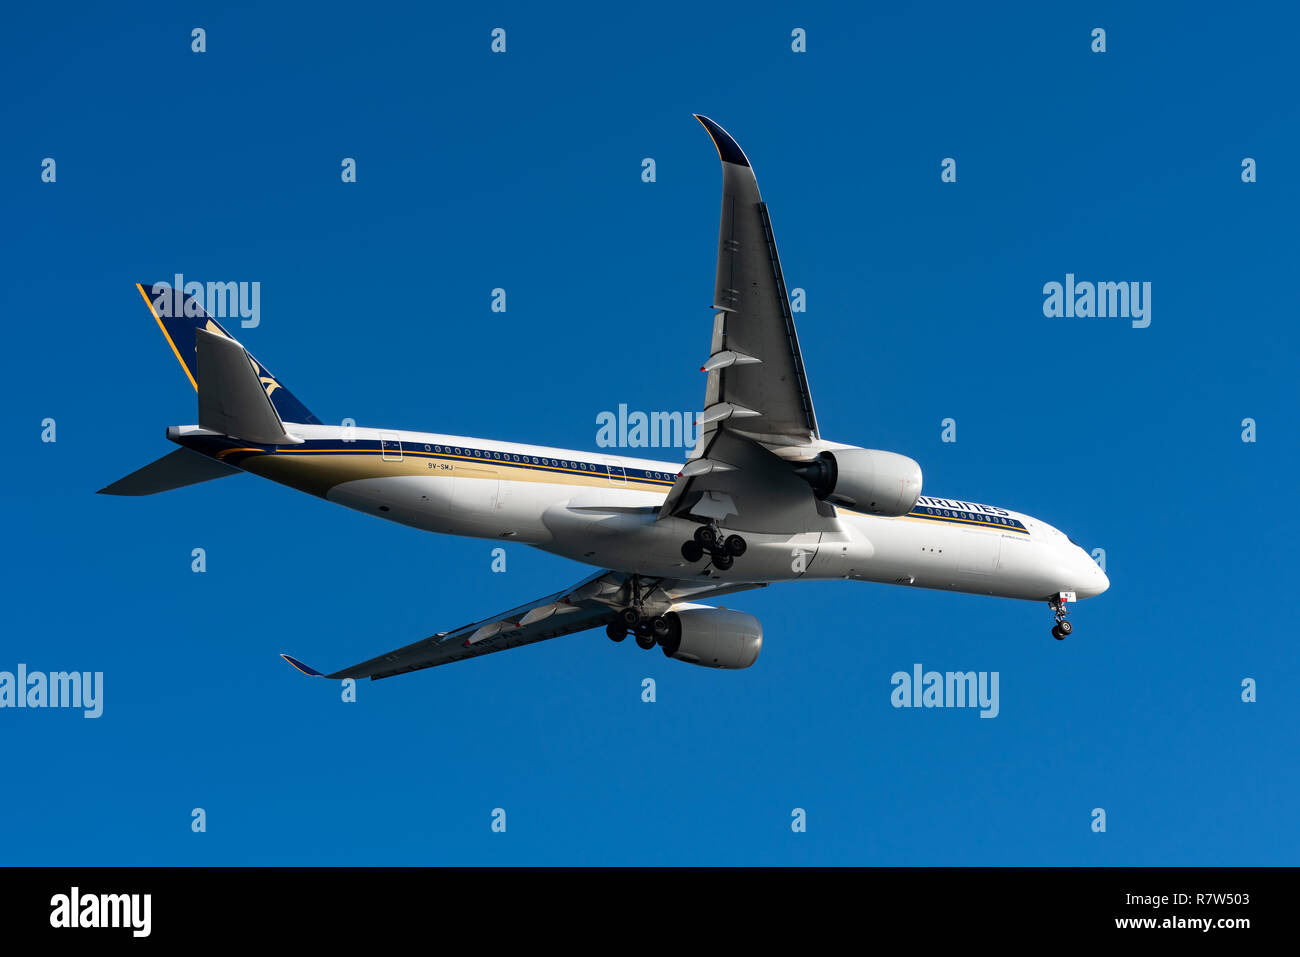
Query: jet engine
x=881 y=483
x=712 y=637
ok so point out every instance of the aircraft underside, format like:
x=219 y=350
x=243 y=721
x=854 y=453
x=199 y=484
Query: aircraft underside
x=622 y=530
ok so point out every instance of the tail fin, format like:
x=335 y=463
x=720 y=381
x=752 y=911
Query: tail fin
x=180 y=316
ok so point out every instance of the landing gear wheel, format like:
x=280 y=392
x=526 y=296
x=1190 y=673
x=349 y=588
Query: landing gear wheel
x=722 y=561
x=660 y=628
x=706 y=536
x=1056 y=633
x=630 y=617
x=692 y=551
x=645 y=637
x=615 y=631
x=735 y=546
x=1064 y=627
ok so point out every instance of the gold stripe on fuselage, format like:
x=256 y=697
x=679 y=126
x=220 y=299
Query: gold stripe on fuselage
x=318 y=470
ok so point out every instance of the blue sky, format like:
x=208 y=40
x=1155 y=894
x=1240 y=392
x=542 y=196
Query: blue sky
x=522 y=171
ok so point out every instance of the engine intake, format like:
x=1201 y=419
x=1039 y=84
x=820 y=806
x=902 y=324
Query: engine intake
x=713 y=637
x=882 y=483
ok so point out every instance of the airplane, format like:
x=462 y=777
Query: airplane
x=762 y=497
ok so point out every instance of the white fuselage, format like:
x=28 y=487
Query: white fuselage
x=601 y=509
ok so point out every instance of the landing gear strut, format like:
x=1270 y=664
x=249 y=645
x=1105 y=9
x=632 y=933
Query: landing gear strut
x=1058 y=606
x=709 y=538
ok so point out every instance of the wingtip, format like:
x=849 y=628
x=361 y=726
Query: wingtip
x=729 y=150
x=304 y=668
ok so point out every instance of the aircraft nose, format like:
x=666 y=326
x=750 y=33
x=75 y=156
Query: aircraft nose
x=1092 y=580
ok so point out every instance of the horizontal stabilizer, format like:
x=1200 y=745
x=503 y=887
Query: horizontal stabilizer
x=176 y=470
x=232 y=399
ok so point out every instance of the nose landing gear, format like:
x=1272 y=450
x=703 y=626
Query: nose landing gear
x=1058 y=605
x=723 y=551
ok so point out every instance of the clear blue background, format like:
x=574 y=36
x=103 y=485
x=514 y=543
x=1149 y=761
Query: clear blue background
x=523 y=171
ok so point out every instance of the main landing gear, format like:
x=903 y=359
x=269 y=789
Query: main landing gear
x=649 y=631
x=723 y=551
x=1058 y=606
x=631 y=619
x=648 y=627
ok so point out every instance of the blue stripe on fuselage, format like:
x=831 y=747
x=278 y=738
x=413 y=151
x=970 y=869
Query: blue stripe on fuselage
x=233 y=451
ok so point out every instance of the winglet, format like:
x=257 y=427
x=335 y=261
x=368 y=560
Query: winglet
x=729 y=150
x=304 y=668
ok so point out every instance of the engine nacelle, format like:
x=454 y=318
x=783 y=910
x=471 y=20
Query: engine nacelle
x=712 y=637
x=882 y=483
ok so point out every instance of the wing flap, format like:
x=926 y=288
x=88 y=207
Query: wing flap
x=456 y=646
x=756 y=488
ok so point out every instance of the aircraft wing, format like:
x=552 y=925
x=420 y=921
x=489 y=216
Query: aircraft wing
x=756 y=396
x=591 y=603
x=756 y=382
